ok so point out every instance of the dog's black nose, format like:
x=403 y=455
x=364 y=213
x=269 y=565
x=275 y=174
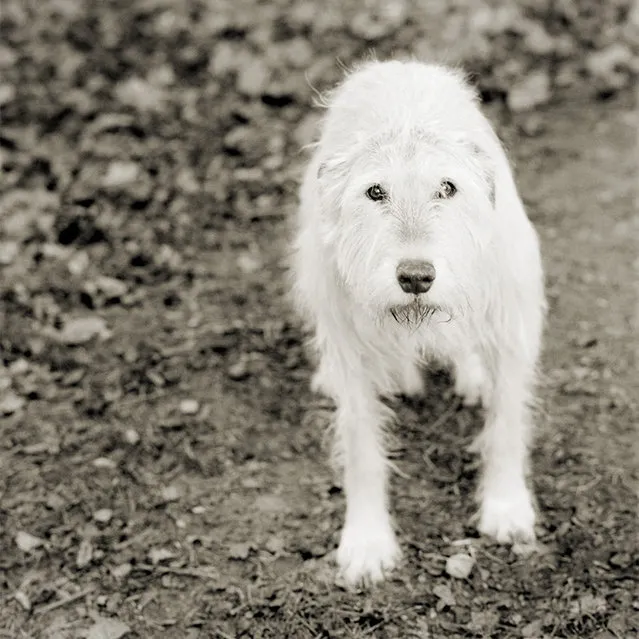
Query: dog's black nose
x=415 y=276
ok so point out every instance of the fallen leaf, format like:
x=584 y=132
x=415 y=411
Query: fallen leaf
x=587 y=605
x=483 y=621
x=22 y=599
x=444 y=594
x=108 y=629
x=275 y=545
x=157 y=555
x=28 y=542
x=532 y=630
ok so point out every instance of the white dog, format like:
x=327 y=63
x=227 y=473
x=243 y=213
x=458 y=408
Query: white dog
x=412 y=243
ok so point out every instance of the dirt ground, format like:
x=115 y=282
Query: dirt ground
x=163 y=464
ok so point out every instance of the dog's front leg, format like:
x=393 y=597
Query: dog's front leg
x=368 y=547
x=507 y=513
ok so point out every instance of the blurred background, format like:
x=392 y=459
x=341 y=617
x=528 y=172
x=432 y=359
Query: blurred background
x=163 y=465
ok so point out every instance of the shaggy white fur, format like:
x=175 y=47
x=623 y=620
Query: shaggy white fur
x=412 y=243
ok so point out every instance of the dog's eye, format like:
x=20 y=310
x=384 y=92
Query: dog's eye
x=376 y=193
x=446 y=190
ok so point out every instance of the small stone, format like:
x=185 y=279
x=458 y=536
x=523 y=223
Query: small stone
x=103 y=516
x=104 y=462
x=8 y=252
x=131 y=436
x=121 y=174
x=610 y=67
x=121 y=571
x=163 y=75
x=27 y=542
x=170 y=493
x=238 y=371
x=253 y=78
x=459 y=565
x=538 y=40
x=19 y=367
x=140 y=94
x=532 y=91
x=11 y=403
x=381 y=21
x=299 y=53
x=186 y=181
x=533 y=126
x=189 y=407
x=248 y=264
x=8 y=57
x=82 y=330
x=79 y=263
x=224 y=60
x=7 y=93
x=238 y=141
x=240 y=550
x=55 y=502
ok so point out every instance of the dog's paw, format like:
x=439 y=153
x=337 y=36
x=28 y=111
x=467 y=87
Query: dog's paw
x=508 y=519
x=365 y=555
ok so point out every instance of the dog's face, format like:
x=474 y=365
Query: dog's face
x=409 y=218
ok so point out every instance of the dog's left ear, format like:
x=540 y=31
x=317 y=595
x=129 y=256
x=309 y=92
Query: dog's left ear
x=486 y=169
x=481 y=162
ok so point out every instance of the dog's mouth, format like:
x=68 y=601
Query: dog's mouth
x=413 y=314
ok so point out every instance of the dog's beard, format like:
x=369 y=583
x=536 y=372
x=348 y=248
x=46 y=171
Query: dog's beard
x=416 y=313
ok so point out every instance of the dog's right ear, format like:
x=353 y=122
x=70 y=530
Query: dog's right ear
x=332 y=176
x=336 y=165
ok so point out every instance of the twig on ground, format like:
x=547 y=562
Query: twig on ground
x=63 y=602
x=181 y=572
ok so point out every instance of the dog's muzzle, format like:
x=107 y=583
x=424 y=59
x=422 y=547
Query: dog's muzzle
x=415 y=276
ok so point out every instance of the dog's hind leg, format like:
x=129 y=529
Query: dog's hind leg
x=506 y=511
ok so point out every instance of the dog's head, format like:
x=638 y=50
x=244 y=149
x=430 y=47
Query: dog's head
x=409 y=219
